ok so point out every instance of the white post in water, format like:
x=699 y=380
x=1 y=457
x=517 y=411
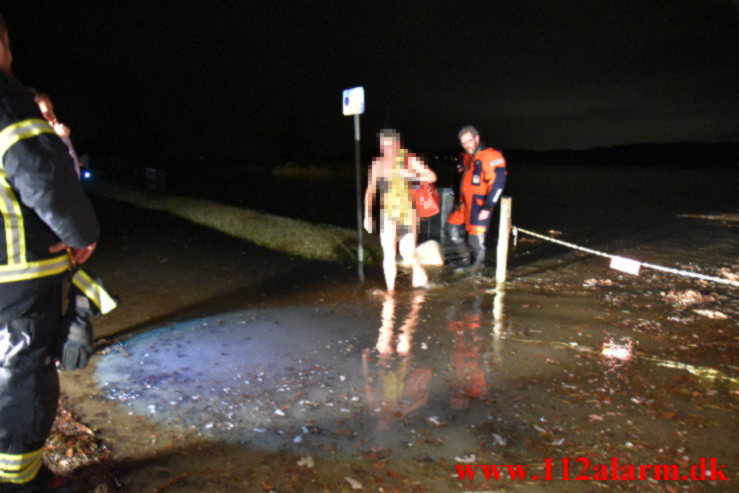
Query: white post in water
x=504 y=231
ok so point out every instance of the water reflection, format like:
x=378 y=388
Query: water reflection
x=498 y=324
x=617 y=351
x=401 y=378
x=615 y=358
x=468 y=379
x=394 y=386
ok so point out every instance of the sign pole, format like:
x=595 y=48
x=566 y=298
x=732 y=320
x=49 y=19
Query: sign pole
x=360 y=247
x=352 y=101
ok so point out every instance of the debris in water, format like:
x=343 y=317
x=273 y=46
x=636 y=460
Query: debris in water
x=683 y=299
x=499 y=440
x=307 y=462
x=356 y=485
x=712 y=314
x=591 y=283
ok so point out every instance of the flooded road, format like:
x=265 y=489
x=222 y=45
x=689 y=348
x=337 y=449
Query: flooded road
x=341 y=386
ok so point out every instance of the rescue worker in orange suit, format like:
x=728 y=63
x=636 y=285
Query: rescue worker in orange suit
x=483 y=176
x=49 y=226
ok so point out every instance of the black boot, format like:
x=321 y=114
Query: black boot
x=477 y=245
x=457 y=254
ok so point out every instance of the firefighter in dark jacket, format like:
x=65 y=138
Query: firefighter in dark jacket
x=48 y=227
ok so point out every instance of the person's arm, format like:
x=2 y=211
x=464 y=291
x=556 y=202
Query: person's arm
x=496 y=188
x=39 y=168
x=420 y=169
x=369 y=197
x=73 y=154
x=495 y=167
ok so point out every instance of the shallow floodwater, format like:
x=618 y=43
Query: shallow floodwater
x=572 y=363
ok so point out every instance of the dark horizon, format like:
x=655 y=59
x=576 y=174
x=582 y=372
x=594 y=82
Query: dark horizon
x=234 y=81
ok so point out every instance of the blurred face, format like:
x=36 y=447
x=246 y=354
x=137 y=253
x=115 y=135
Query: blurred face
x=47 y=110
x=469 y=142
x=389 y=146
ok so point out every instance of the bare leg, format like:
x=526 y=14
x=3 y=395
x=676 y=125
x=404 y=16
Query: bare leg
x=387 y=240
x=408 y=251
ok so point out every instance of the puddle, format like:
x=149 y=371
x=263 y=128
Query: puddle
x=572 y=360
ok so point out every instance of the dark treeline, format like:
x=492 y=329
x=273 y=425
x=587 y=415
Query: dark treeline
x=669 y=155
x=683 y=154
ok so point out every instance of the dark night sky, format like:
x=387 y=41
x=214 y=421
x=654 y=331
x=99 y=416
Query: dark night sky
x=238 y=78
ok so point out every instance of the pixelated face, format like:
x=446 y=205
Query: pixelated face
x=389 y=145
x=47 y=110
x=469 y=142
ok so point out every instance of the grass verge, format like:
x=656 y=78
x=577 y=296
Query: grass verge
x=291 y=236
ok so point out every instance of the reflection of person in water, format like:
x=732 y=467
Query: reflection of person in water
x=468 y=380
x=397 y=388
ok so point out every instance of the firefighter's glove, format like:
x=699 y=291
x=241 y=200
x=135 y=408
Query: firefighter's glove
x=75 y=337
x=77 y=346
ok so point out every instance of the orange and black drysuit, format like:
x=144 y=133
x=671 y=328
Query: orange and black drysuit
x=483 y=176
x=41 y=204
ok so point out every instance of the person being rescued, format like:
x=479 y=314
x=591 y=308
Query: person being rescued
x=393 y=174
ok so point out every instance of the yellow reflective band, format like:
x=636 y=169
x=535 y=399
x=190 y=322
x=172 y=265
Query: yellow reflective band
x=14 y=462
x=20 y=468
x=34 y=270
x=15 y=240
x=22 y=130
x=94 y=291
x=13 y=219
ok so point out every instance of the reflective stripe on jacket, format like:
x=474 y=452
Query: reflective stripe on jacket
x=17 y=266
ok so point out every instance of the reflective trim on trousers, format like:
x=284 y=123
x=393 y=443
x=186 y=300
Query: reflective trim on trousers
x=20 y=468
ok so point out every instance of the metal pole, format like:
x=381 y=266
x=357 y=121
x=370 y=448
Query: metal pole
x=360 y=248
x=504 y=231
